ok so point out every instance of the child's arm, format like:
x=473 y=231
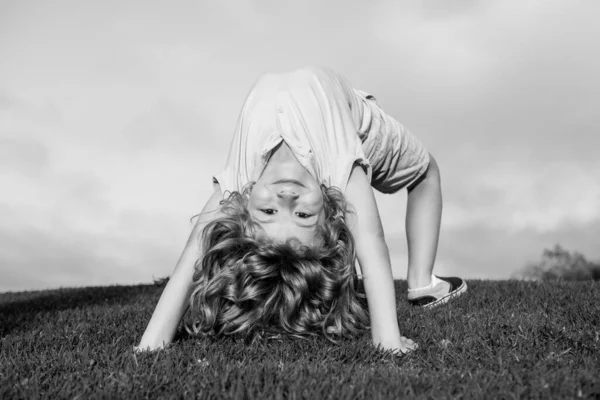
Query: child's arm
x=374 y=259
x=174 y=300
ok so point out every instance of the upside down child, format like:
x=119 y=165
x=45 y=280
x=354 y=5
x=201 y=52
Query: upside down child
x=275 y=246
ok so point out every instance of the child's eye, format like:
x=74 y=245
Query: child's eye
x=268 y=211
x=303 y=215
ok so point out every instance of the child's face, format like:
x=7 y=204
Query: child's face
x=287 y=204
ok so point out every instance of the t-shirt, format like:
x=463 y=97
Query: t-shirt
x=328 y=125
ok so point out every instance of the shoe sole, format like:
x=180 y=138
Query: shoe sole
x=442 y=300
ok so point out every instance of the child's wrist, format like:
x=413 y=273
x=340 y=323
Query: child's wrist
x=389 y=337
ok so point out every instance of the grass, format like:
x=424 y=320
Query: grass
x=502 y=339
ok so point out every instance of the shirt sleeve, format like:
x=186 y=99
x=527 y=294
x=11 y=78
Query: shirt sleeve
x=397 y=157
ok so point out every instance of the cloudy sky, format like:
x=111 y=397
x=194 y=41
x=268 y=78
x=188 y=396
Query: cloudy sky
x=115 y=115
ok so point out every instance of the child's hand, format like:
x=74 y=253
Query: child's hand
x=402 y=346
x=407 y=345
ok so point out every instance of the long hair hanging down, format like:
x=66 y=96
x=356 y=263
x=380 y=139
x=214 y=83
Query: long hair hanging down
x=246 y=284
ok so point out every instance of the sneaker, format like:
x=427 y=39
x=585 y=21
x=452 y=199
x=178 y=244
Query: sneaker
x=439 y=294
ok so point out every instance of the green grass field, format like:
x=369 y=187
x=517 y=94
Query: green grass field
x=502 y=339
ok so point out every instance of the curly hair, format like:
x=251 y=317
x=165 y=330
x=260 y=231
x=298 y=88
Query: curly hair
x=246 y=284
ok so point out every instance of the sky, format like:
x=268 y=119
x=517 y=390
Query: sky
x=115 y=115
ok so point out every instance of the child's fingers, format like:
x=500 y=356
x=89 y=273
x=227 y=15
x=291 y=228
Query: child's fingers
x=408 y=344
x=411 y=343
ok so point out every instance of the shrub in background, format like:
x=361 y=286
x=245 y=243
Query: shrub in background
x=559 y=263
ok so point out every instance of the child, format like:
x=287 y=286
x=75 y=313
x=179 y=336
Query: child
x=275 y=246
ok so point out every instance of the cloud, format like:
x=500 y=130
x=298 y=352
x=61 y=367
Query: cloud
x=508 y=84
x=74 y=228
x=538 y=196
x=28 y=156
x=114 y=117
x=33 y=258
x=482 y=251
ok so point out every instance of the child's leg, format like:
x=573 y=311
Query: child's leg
x=423 y=217
x=399 y=160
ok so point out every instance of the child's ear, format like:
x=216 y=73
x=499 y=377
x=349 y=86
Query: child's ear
x=216 y=185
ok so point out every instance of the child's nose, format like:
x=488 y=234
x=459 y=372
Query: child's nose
x=287 y=194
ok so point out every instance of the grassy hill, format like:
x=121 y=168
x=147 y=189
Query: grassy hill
x=503 y=339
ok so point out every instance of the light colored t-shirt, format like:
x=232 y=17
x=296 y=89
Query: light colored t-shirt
x=328 y=125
